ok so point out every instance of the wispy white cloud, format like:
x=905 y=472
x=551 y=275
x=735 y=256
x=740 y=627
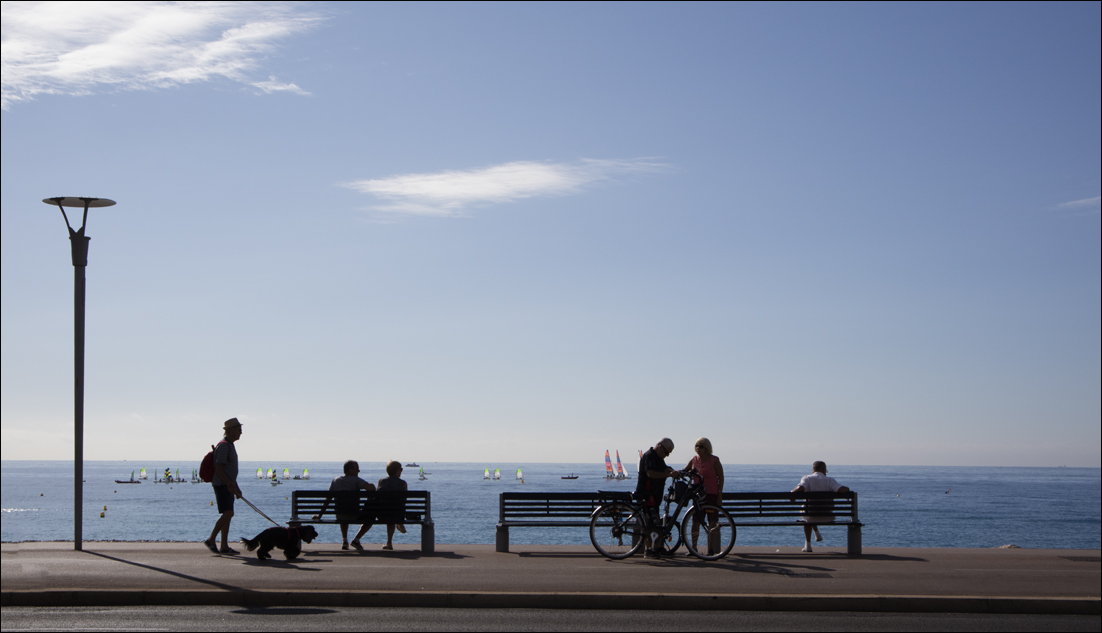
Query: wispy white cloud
x=449 y=193
x=77 y=48
x=273 y=85
x=1091 y=204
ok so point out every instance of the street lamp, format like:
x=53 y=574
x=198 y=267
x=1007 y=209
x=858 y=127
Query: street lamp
x=79 y=244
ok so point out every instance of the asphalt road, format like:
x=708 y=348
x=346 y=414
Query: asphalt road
x=384 y=619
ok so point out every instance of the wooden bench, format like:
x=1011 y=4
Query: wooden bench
x=771 y=509
x=407 y=508
x=747 y=509
x=544 y=509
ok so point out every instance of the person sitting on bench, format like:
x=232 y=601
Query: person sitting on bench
x=393 y=483
x=347 y=507
x=817 y=511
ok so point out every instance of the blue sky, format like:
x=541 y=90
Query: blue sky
x=867 y=234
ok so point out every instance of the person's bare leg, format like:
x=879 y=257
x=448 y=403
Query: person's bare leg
x=363 y=530
x=344 y=536
x=818 y=537
x=389 y=536
x=807 y=537
x=221 y=525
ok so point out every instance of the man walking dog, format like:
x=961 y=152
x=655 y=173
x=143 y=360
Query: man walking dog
x=225 y=485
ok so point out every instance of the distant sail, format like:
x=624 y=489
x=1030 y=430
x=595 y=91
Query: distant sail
x=609 y=474
x=286 y=473
x=142 y=475
x=260 y=473
x=497 y=473
x=486 y=474
x=520 y=475
x=305 y=473
x=620 y=474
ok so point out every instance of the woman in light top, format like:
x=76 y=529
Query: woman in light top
x=711 y=473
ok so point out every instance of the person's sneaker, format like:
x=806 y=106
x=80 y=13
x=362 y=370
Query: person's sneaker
x=401 y=528
x=357 y=545
x=211 y=546
x=807 y=548
x=344 y=545
x=388 y=547
x=228 y=551
x=818 y=537
x=650 y=554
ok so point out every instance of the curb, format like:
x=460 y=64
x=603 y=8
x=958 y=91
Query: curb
x=534 y=600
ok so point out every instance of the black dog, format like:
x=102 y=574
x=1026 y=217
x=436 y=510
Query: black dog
x=287 y=539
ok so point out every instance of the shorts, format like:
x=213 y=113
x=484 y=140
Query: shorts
x=224 y=498
x=817 y=518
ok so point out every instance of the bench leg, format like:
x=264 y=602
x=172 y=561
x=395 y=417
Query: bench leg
x=853 y=540
x=502 y=538
x=428 y=538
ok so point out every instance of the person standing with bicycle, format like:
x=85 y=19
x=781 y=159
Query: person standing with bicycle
x=653 y=473
x=710 y=473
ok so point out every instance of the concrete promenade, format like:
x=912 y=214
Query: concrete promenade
x=546 y=576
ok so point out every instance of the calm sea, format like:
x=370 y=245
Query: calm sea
x=900 y=506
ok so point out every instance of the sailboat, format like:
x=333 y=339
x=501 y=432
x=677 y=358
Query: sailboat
x=260 y=473
x=421 y=475
x=520 y=476
x=609 y=473
x=486 y=475
x=305 y=473
x=497 y=474
x=142 y=475
x=286 y=473
x=620 y=474
x=130 y=481
x=195 y=476
x=269 y=474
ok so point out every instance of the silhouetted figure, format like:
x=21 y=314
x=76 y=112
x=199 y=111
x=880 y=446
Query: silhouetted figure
x=347 y=506
x=225 y=485
x=393 y=483
x=653 y=472
x=817 y=481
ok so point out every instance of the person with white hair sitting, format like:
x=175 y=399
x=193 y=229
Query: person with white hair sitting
x=817 y=481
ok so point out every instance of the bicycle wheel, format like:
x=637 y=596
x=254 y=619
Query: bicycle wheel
x=616 y=530
x=708 y=531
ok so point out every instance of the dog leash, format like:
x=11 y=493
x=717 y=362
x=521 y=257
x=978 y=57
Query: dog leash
x=250 y=504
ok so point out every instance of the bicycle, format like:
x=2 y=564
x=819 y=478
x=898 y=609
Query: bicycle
x=621 y=526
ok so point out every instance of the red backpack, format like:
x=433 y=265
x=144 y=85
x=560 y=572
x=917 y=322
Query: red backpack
x=206 y=467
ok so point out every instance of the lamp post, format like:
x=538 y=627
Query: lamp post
x=78 y=242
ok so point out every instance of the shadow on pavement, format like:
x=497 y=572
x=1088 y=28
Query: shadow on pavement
x=279 y=564
x=832 y=556
x=283 y=611
x=177 y=574
x=388 y=554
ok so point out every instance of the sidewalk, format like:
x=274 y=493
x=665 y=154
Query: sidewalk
x=534 y=576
